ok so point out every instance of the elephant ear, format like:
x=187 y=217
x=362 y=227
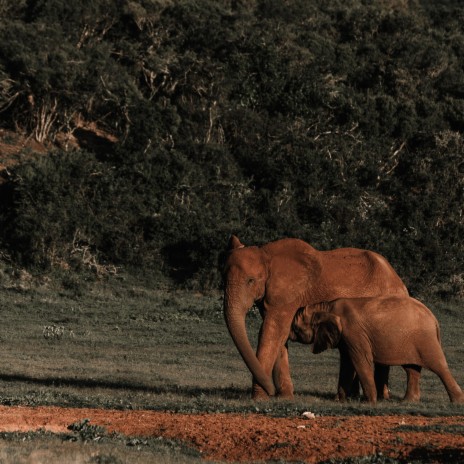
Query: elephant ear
x=234 y=243
x=327 y=331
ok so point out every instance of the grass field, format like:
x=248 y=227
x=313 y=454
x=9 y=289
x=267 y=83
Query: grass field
x=125 y=345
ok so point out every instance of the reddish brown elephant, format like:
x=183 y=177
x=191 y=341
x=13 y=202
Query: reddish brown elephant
x=281 y=277
x=391 y=330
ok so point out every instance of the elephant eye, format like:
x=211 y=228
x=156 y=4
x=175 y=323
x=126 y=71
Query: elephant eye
x=250 y=281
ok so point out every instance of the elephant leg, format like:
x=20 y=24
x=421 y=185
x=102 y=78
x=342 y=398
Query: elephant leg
x=440 y=367
x=381 y=373
x=273 y=355
x=454 y=391
x=366 y=377
x=413 y=373
x=257 y=392
x=281 y=374
x=364 y=366
x=347 y=378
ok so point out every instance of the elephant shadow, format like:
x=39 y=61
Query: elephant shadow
x=322 y=395
x=231 y=392
x=226 y=393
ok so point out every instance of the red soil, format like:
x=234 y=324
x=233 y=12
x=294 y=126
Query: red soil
x=251 y=437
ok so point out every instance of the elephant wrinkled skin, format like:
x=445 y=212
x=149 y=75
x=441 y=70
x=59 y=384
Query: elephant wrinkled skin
x=281 y=277
x=392 y=331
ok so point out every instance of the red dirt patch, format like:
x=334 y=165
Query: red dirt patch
x=251 y=437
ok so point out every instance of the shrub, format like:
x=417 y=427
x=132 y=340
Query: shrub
x=337 y=122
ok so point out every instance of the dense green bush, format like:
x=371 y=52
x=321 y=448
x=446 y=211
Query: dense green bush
x=337 y=122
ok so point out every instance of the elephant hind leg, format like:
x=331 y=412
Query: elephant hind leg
x=413 y=374
x=439 y=366
x=454 y=391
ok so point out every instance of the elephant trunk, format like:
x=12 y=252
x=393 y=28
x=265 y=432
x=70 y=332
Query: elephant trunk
x=235 y=320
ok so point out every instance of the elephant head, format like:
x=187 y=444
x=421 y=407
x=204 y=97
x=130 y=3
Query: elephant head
x=322 y=329
x=302 y=330
x=245 y=275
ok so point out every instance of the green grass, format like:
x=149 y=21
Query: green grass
x=101 y=448
x=121 y=344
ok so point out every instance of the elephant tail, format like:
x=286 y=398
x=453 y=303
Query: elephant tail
x=438 y=332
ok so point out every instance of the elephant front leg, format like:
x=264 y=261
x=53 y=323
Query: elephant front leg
x=281 y=374
x=364 y=365
x=273 y=355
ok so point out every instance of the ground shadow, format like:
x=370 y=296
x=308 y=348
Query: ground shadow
x=225 y=392
x=323 y=395
x=443 y=455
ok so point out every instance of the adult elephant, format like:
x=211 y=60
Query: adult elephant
x=281 y=277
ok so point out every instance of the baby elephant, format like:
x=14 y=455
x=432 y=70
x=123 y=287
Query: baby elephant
x=392 y=331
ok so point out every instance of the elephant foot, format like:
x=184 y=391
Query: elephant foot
x=259 y=394
x=285 y=390
x=411 y=398
x=281 y=395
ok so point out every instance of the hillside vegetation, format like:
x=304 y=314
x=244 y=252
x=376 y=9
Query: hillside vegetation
x=337 y=122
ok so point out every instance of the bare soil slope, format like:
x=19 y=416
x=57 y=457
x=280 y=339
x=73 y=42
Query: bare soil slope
x=252 y=437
